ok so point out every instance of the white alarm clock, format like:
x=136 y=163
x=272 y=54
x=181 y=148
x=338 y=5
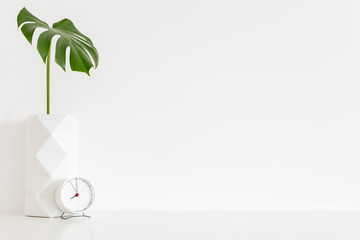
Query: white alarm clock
x=75 y=195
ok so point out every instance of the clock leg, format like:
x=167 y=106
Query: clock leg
x=63 y=216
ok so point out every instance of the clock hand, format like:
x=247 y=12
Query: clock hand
x=73 y=187
x=76 y=185
x=76 y=195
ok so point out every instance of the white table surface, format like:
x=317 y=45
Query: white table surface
x=279 y=225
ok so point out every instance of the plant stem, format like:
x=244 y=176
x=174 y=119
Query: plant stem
x=48 y=82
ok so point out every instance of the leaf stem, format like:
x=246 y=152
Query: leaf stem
x=48 y=82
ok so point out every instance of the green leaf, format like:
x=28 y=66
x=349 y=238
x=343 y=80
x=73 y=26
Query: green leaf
x=83 y=54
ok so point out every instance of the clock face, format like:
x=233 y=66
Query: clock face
x=76 y=195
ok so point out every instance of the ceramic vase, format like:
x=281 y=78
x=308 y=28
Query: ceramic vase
x=51 y=156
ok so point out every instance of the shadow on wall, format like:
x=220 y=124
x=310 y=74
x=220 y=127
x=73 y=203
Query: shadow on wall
x=12 y=166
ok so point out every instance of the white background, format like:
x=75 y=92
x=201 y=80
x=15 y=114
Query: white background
x=197 y=104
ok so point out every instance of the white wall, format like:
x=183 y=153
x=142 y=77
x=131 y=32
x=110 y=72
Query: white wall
x=197 y=104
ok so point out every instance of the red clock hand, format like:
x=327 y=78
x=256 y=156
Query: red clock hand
x=73 y=187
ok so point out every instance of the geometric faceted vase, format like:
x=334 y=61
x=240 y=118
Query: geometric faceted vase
x=51 y=156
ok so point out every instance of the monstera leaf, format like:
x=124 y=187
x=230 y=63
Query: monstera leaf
x=83 y=54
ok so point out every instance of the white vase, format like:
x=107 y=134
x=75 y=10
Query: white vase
x=51 y=156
